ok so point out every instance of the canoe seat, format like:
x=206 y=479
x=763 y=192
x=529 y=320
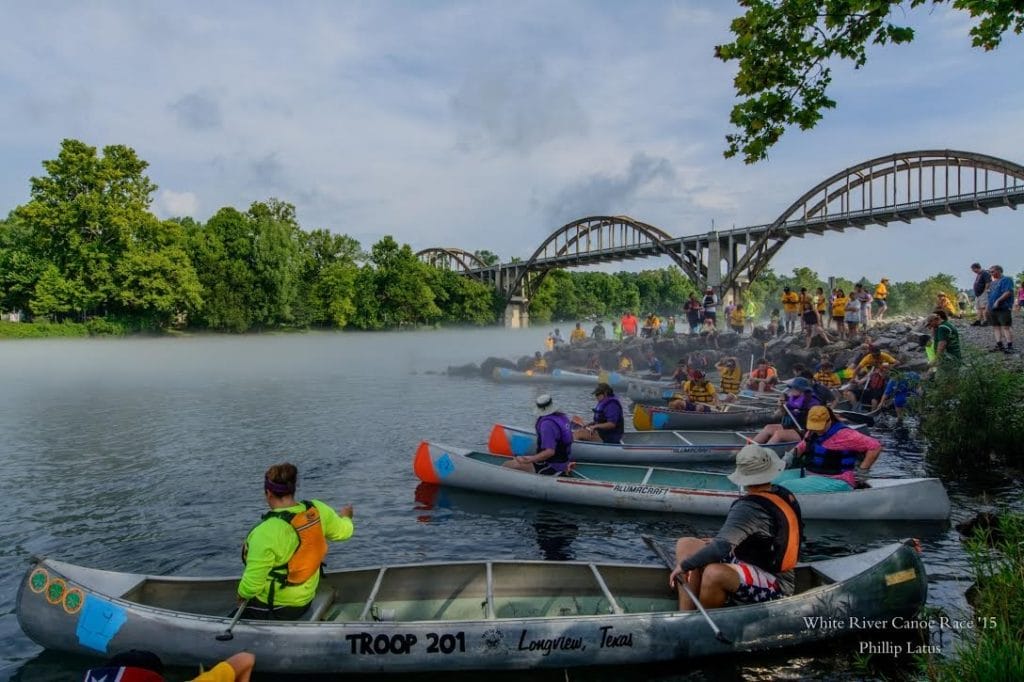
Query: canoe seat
x=807 y=578
x=321 y=602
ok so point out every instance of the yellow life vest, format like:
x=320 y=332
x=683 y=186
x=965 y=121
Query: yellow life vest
x=839 y=306
x=540 y=365
x=736 y=316
x=791 y=302
x=625 y=364
x=827 y=379
x=881 y=291
x=730 y=379
x=703 y=393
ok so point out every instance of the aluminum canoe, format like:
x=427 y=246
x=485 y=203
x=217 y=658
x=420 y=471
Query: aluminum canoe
x=662 y=489
x=650 y=447
x=474 y=615
x=647 y=417
x=559 y=376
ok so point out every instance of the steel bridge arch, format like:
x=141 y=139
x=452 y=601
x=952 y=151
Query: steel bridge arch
x=861 y=179
x=583 y=232
x=445 y=257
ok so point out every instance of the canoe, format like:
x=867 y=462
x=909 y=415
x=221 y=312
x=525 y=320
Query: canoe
x=651 y=447
x=559 y=376
x=659 y=394
x=661 y=489
x=647 y=417
x=472 y=615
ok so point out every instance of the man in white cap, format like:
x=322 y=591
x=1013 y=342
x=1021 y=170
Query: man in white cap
x=751 y=559
x=554 y=442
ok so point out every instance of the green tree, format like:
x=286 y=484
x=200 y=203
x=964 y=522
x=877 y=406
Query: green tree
x=329 y=278
x=81 y=216
x=487 y=257
x=156 y=280
x=783 y=49
x=393 y=289
x=20 y=267
x=221 y=252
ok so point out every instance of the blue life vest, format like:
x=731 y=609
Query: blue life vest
x=824 y=460
x=600 y=416
x=564 y=444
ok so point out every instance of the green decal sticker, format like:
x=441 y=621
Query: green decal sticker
x=73 y=601
x=37 y=581
x=55 y=591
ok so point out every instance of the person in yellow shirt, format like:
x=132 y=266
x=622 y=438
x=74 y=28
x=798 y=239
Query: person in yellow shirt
x=731 y=376
x=539 y=364
x=737 y=318
x=698 y=394
x=881 y=294
x=790 y=309
x=839 y=313
x=625 y=364
x=577 y=335
x=875 y=357
x=826 y=375
x=284 y=552
x=944 y=302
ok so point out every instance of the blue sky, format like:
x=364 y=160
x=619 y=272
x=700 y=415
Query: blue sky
x=487 y=125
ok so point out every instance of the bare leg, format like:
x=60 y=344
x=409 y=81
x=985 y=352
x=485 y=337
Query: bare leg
x=685 y=547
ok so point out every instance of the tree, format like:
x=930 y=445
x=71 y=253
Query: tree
x=487 y=257
x=783 y=48
x=156 y=280
x=393 y=290
x=328 y=278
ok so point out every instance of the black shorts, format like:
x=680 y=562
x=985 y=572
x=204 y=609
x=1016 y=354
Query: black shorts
x=1000 y=318
x=710 y=315
x=864 y=395
x=738 y=328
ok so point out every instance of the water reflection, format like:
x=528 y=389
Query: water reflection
x=555 y=534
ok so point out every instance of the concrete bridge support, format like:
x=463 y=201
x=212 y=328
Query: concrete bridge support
x=517 y=313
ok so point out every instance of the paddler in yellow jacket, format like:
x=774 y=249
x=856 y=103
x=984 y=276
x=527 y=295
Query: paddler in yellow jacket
x=731 y=376
x=284 y=552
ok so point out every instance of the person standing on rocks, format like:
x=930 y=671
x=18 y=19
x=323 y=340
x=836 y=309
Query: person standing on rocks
x=1000 y=306
x=982 y=279
x=945 y=340
x=790 y=308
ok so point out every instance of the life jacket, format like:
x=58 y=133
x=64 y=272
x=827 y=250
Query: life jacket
x=877 y=382
x=710 y=303
x=625 y=364
x=730 y=379
x=705 y=393
x=540 y=365
x=564 y=442
x=123 y=673
x=824 y=460
x=827 y=379
x=839 y=306
x=610 y=435
x=779 y=550
x=309 y=556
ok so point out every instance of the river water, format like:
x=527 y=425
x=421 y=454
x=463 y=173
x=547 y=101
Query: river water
x=147 y=455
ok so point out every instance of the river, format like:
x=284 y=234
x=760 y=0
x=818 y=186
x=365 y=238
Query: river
x=147 y=455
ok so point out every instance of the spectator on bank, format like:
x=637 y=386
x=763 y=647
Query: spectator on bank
x=881 y=294
x=598 y=331
x=862 y=297
x=709 y=333
x=670 y=327
x=628 y=323
x=774 y=324
x=839 y=302
x=577 y=335
x=616 y=331
x=963 y=301
x=790 y=308
x=982 y=280
x=710 y=304
x=737 y=319
x=852 y=317
x=693 y=310
x=1000 y=306
x=1020 y=295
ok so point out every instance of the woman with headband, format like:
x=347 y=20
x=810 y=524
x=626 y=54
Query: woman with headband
x=284 y=552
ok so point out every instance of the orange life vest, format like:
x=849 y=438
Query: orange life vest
x=312 y=550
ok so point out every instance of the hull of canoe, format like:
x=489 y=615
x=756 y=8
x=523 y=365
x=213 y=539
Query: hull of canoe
x=461 y=616
x=661 y=489
x=649 y=447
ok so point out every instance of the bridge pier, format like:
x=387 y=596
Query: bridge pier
x=517 y=313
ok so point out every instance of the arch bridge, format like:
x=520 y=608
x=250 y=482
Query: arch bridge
x=897 y=188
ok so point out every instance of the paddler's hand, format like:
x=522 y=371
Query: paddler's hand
x=346 y=511
x=677 y=577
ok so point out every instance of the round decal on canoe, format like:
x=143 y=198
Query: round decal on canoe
x=55 y=591
x=37 y=581
x=74 y=600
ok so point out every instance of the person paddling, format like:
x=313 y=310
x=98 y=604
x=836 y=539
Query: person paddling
x=554 y=441
x=832 y=450
x=752 y=557
x=799 y=399
x=608 y=424
x=284 y=552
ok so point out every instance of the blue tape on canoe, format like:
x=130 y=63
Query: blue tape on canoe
x=659 y=419
x=99 y=622
x=444 y=465
x=520 y=444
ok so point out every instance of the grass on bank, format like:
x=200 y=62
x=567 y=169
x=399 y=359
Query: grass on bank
x=994 y=650
x=973 y=415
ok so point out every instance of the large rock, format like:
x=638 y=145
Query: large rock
x=488 y=365
x=470 y=370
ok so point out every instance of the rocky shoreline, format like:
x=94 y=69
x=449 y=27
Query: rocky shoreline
x=900 y=337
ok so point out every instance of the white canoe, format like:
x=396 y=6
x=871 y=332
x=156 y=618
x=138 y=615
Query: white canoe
x=650 y=447
x=660 y=489
x=559 y=376
x=482 y=615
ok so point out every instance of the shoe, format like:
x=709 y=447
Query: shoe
x=998 y=348
x=1009 y=350
x=976 y=323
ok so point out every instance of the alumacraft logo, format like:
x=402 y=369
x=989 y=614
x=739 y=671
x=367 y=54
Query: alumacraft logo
x=640 y=489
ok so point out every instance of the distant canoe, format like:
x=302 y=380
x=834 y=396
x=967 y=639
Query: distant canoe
x=560 y=376
x=660 y=489
x=650 y=447
x=473 y=615
x=647 y=417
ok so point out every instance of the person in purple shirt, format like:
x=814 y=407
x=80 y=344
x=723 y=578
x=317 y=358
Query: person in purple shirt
x=798 y=401
x=1000 y=306
x=608 y=424
x=554 y=442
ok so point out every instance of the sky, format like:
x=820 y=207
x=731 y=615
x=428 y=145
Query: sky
x=488 y=125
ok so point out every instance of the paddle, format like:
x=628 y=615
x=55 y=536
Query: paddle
x=867 y=380
x=227 y=635
x=796 y=424
x=659 y=550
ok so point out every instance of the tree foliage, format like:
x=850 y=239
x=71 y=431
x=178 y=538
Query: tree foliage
x=784 y=48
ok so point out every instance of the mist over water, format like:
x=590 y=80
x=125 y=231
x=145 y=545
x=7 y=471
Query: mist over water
x=147 y=455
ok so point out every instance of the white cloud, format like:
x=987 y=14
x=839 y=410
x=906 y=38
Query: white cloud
x=171 y=204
